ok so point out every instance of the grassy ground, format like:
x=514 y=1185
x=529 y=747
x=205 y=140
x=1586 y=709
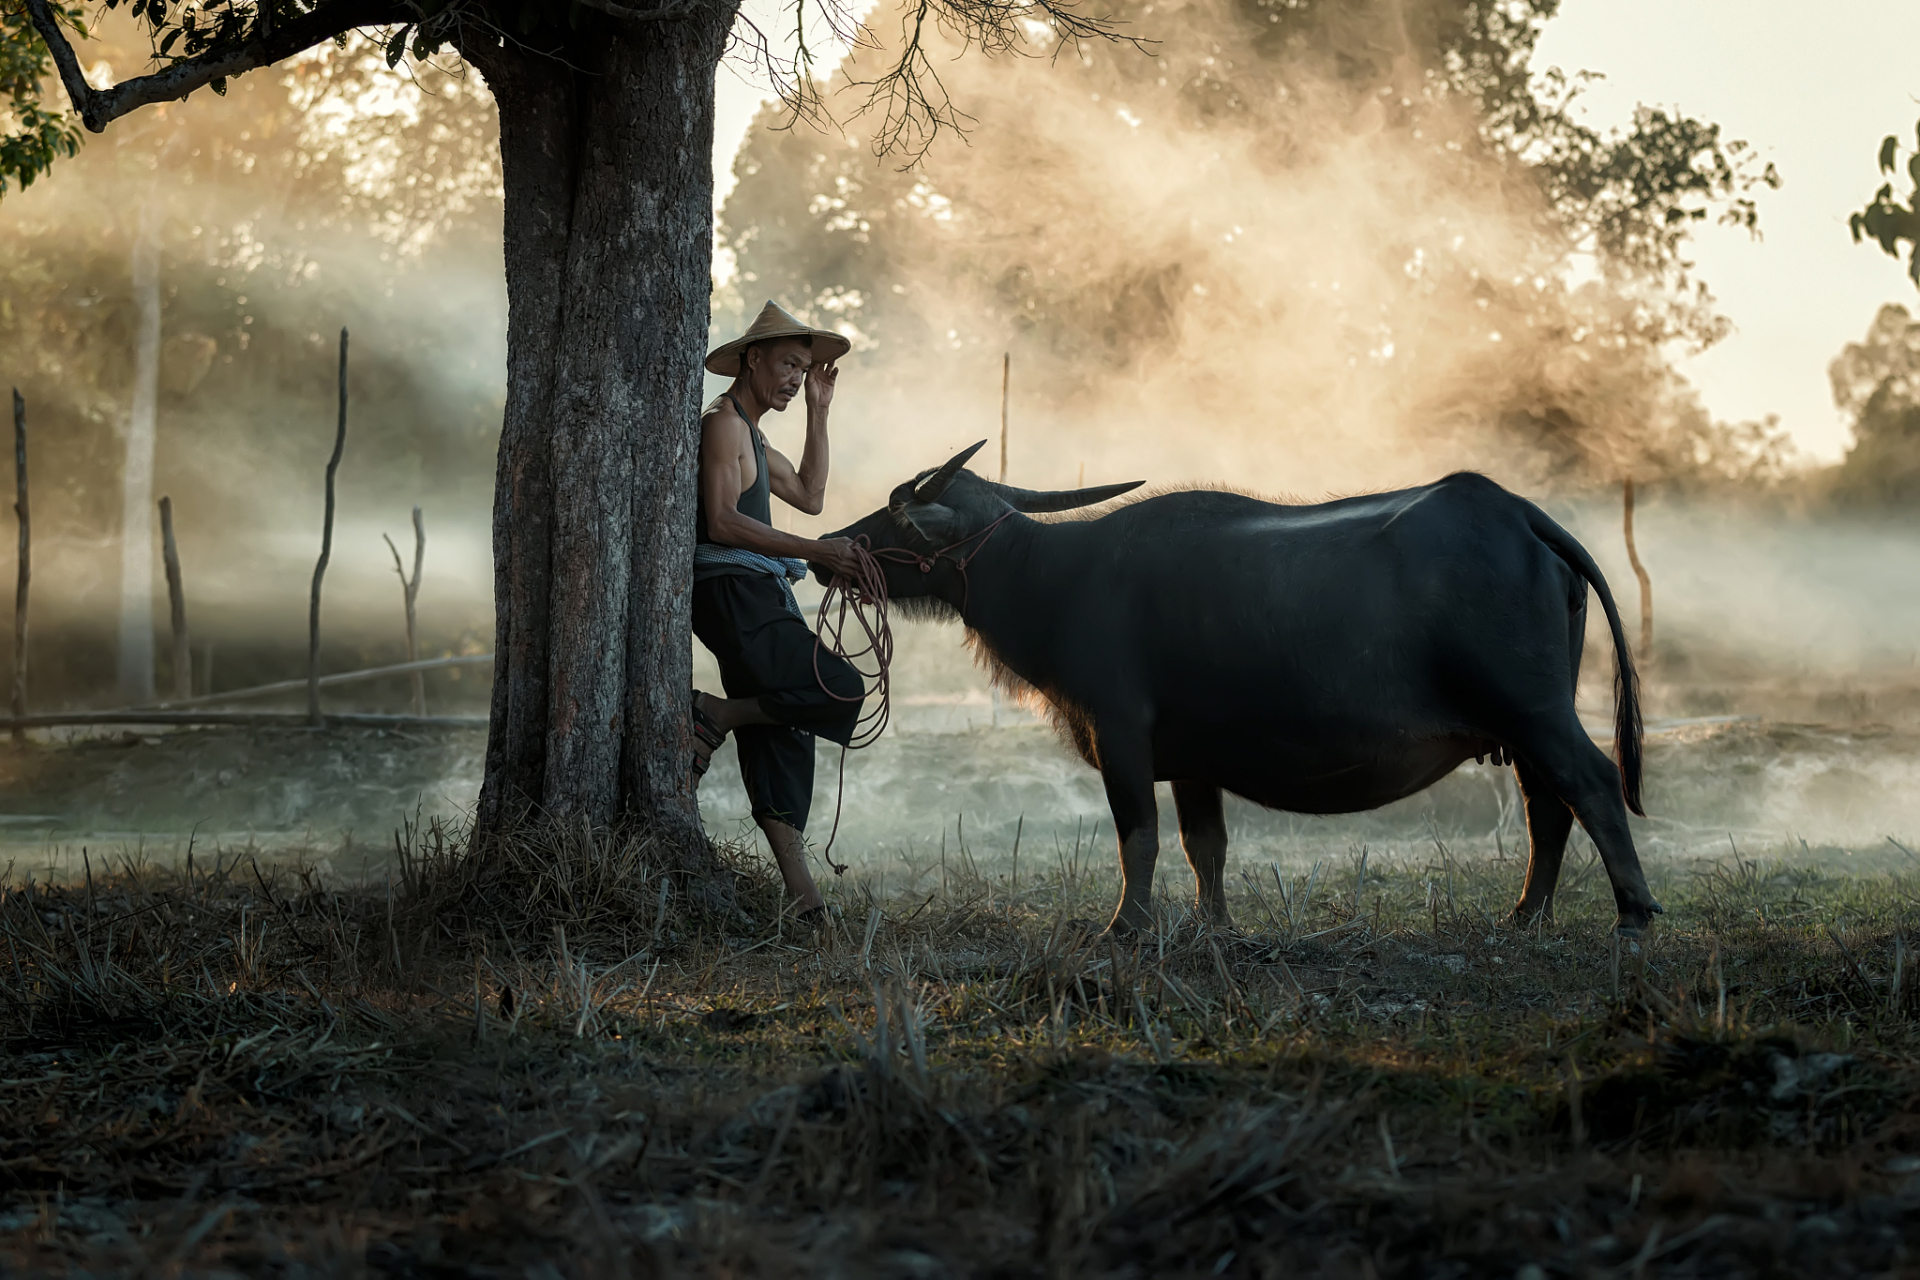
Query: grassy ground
x=557 y=1070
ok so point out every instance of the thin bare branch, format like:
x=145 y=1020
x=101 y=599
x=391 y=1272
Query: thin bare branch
x=909 y=97
x=100 y=107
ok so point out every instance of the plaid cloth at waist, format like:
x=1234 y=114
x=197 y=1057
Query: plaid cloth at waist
x=711 y=560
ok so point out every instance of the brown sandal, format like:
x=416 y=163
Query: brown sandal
x=707 y=732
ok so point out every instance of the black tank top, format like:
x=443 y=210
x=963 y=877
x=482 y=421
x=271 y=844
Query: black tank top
x=756 y=503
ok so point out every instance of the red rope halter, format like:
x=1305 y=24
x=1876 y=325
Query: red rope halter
x=864 y=597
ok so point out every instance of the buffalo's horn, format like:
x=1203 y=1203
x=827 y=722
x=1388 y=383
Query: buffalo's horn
x=930 y=489
x=1035 y=501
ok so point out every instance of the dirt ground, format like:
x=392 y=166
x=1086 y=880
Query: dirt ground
x=552 y=1068
x=277 y=1060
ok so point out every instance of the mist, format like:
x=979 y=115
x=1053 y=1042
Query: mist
x=1332 y=283
x=1211 y=260
x=321 y=195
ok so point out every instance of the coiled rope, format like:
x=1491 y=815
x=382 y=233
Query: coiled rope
x=858 y=606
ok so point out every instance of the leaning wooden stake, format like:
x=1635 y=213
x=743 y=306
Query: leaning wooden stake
x=176 y=605
x=326 y=552
x=1640 y=572
x=1006 y=380
x=26 y=562
x=410 y=589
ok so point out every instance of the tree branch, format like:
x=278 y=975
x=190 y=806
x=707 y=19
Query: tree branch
x=665 y=14
x=100 y=107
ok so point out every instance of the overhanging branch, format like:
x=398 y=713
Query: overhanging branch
x=100 y=107
x=666 y=13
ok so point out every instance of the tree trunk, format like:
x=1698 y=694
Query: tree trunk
x=606 y=147
x=136 y=478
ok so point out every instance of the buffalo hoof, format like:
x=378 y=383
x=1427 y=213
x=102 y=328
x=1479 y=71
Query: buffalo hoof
x=1633 y=922
x=1525 y=917
x=1126 y=923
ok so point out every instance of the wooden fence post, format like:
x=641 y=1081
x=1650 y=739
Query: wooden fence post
x=21 y=511
x=176 y=605
x=326 y=552
x=1640 y=572
x=410 y=591
x=1006 y=381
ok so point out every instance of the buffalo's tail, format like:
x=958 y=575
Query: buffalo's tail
x=1627 y=728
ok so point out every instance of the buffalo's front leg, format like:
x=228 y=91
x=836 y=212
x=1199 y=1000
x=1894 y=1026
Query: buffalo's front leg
x=1126 y=767
x=1203 y=834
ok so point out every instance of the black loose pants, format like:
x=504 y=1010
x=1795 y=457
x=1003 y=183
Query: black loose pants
x=765 y=652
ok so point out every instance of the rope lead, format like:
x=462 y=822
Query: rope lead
x=864 y=598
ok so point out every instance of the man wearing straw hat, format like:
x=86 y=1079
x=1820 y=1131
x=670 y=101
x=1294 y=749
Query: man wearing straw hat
x=780 y=694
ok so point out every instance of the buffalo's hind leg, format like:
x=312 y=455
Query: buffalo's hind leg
x=1589 y=784
x=1549 y=823
x=1203 y=834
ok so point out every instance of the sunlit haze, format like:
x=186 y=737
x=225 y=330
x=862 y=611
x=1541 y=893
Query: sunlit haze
x=1814 y=91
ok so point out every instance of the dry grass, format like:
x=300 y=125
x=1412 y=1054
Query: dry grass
x=227 y=1069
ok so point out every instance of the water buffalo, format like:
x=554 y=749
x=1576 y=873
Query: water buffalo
x=1319 y=659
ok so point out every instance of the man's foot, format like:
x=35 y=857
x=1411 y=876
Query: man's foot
x=707 y=737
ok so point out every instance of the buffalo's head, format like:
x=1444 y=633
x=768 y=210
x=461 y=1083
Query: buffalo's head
x=949 y=509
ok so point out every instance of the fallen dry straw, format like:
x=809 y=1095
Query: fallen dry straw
x=228 y=1067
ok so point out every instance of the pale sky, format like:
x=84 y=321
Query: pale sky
x=1813 y=86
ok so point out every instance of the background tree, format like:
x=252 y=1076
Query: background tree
x=31 y=137
x=1885 y=220
x=326 y=191
x=1877 y=381
x=606 y=122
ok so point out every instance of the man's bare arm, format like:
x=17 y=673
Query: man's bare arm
x=722 y=439
x=805 y=487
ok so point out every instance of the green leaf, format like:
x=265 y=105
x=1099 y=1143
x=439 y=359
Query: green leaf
x=1889 y=148
x=529 y=16
x=219 y=85
x=172 y=38
x=1857 y=225
x=1884 y=226
x=397 y=47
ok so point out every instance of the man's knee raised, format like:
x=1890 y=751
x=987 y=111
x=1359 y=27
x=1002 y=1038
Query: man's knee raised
x=841 y=680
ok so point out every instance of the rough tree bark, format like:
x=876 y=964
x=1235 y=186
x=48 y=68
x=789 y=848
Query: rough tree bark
x=606 y=146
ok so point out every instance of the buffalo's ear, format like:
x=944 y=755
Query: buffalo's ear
x=932 y=521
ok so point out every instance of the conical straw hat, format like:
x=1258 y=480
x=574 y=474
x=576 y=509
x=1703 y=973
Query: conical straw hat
x=774 y=322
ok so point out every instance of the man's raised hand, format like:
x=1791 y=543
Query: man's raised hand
x=820 y=380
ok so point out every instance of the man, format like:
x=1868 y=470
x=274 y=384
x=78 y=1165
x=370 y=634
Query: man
x=780 y=696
